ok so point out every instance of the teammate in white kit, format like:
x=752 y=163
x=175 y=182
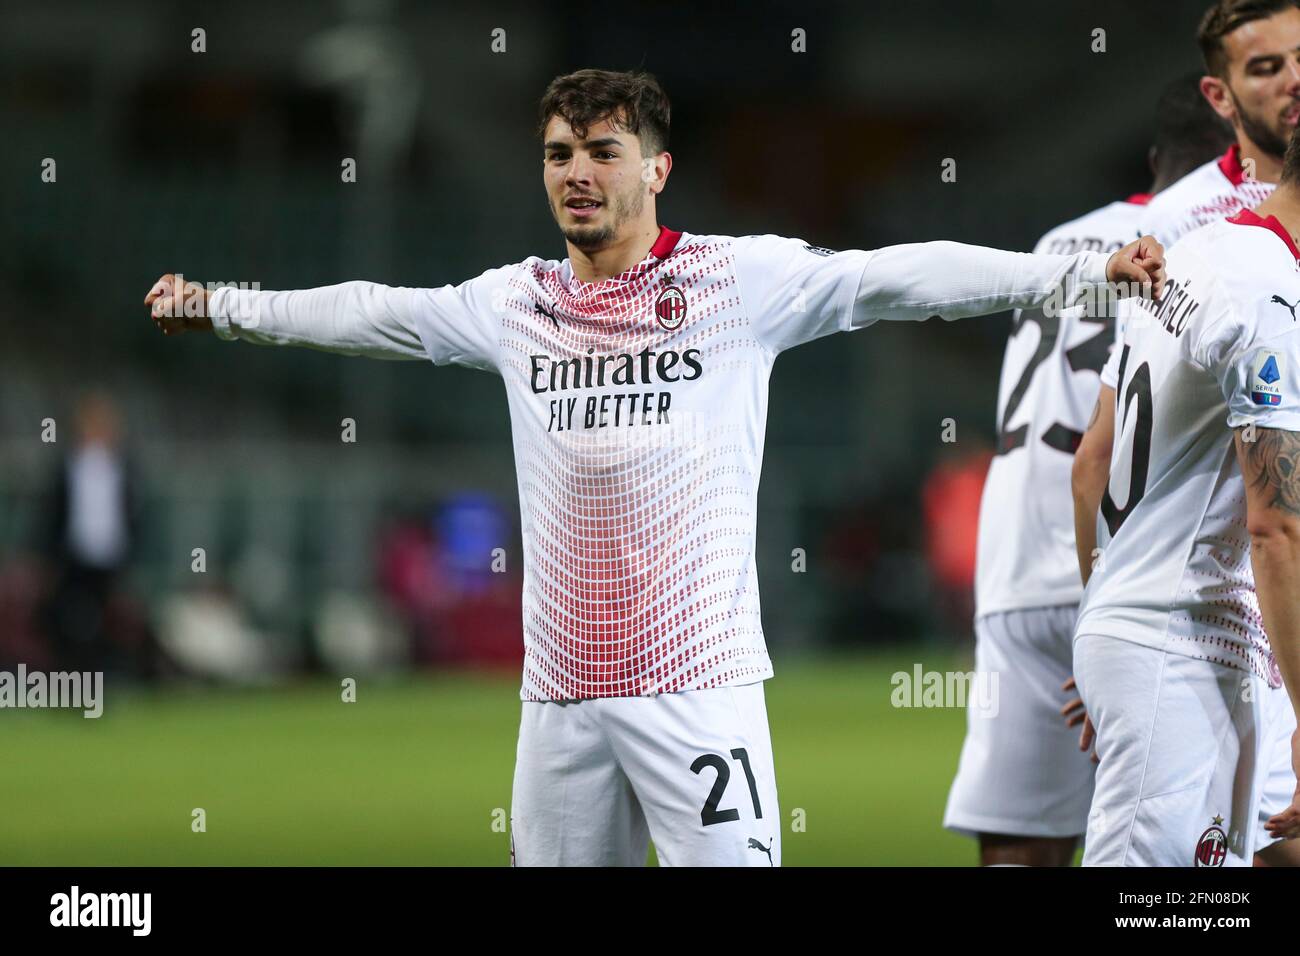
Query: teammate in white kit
x=636 y=373
x=1251 y=50
x=1250 y=54
x=1188 y=643
x=1021 y=785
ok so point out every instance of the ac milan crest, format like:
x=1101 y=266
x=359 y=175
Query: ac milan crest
x=1212 y=847
x=670 y=307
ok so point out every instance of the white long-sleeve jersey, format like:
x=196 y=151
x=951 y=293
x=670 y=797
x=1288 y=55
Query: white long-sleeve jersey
x=638 y=407
x=1026 y=556
x=1220 y=350
x=1209 y=193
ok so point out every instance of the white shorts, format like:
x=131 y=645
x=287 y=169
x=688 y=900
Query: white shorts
x=1192 y=761
x=596 y=780
x=1021 y=771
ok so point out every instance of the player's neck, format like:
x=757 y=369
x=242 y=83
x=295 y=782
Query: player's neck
x=1267 y=167
x=616 y=258
x=1284 y=205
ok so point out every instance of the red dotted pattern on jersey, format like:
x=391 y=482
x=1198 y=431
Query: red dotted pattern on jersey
x=639 y=550
x=1228 y=628
x=1246 y=196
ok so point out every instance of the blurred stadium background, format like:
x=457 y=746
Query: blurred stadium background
x=370 y=559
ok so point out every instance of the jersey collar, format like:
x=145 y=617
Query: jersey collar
x=666 y=243
x=1139 y=199
x=663 y=247
x=1248 y=217
x=1230 y=165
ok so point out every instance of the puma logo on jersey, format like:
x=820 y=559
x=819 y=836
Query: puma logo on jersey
x=1289 y=307
x=549 y=313
x=755 y=845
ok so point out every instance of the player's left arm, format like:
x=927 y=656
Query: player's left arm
x=953 y=280
x=1089 y=475
x=795 y=293
x=1270 y=464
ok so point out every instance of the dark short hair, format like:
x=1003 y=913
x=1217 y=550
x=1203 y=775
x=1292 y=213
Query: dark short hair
x=1188 y=133
x=1223 y=18
x=632 y=101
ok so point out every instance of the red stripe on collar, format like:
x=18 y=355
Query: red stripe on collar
x=1230 y=165
x=1248 y=217
x=665 y=244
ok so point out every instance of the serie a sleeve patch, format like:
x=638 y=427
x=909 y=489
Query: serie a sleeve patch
x=1267 y=371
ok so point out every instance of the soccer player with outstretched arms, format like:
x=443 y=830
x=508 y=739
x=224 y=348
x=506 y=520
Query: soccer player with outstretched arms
x=636 y=372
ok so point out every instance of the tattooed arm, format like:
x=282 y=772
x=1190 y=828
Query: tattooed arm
x=1089 y=475
x=1270 y=463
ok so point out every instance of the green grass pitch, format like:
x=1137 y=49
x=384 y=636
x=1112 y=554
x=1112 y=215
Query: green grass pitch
x=412 y=773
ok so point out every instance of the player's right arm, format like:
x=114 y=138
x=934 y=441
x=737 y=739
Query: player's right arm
x=447 y=324
x=1089 y=475
x=354 y=318
x=1253 y=348
x=1270 y=464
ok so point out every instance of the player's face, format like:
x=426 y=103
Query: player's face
x=593 y=185
x=1264 y=78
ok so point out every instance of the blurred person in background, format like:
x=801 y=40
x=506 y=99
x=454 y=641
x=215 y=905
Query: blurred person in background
x=455 y=609
x=91 y=530
x=409 y=563
x=950 y=506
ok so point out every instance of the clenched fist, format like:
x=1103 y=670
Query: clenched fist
x=178 y=306
x=1141 y=263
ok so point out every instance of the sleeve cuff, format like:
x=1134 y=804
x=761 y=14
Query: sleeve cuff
x=1288 y=421
x=218 y=316
x=849 y=312
x=1094 y=268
